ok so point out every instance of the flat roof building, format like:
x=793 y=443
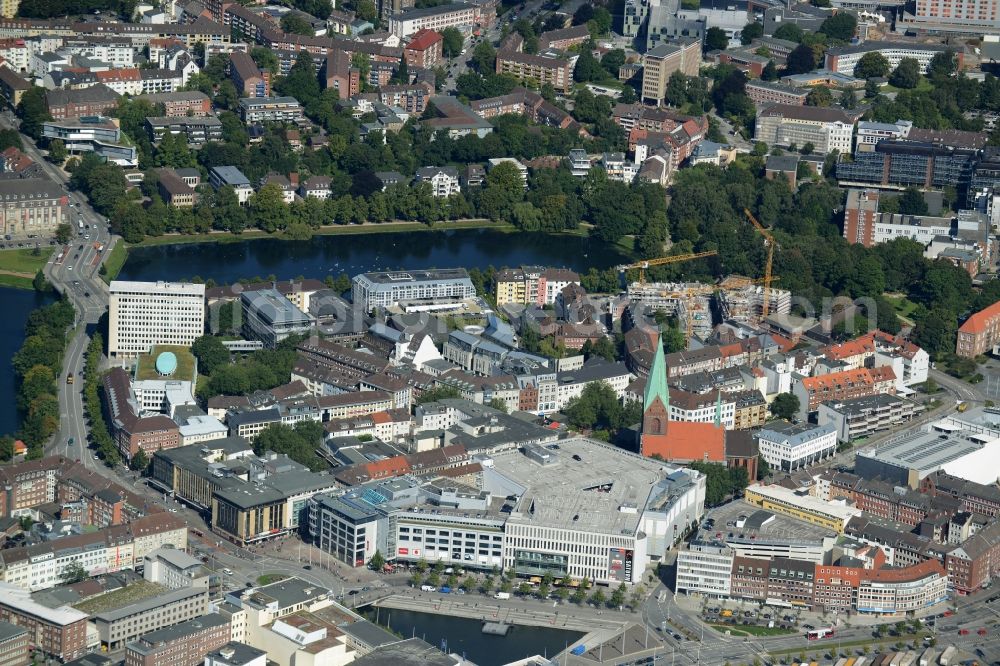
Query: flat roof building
x=911 y=456
x=270 y=317
x=144 y=314
x=421 y=287
x=804 y=507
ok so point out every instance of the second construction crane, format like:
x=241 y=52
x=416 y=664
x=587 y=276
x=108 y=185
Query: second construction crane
x=770 y=243
x=662 y=261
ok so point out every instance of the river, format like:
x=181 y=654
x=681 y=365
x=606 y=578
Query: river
x=320 y=256
x=464 y=636
x=17 y=305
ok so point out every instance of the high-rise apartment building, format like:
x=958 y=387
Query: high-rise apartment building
x=143 y=314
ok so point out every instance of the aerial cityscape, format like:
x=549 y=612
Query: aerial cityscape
x=500 y=332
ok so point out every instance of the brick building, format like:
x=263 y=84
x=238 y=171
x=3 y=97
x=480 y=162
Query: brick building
x=93 y=101
x=184 y=644
x=979 y=333
x=60 y=632
x=185 y=103
x=425 y=49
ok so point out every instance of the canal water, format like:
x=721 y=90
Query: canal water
x=17 y=304
x=464 y=636
x=352 y=254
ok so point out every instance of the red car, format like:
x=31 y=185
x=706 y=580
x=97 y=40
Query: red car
x=982 y=632
x=963 y=632
x=947 y=613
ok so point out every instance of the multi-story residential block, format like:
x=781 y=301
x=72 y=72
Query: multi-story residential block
x=790 y=446
x=196 y=130
x=12 y=86
x=184 y=644
x=144 y=314
x=250 y=80
x=844 y=59
x=31 y=206
x=659 y=63
x=563 y=38
x=443 y=180
x=425 y=49
x=765 y=92
x=174 y=569
x=60 y=632
x=93 y=134
x=861 y=417
x=533 y=285
x=270 y=109
x=522 y=101
x=870 y=133
x=546 y=67
x=827 y=129
x=94 y=100
x=843 y=385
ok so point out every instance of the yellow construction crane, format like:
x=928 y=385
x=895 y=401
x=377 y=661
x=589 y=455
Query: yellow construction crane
x=770 y=243
x=662 y=261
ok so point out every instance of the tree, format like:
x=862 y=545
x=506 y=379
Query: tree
x=802 y=59
x=39 y=283
x=819 y=96
x=10 y=138
x=366 y=10
x=139 y=461
x=452 y=41
x=770 y=72
x=296 y=24
x=301 y=82
x=598 y=598
x=942 y=65
x=841 y=26
x=265 y=59
x=588 y=68
x=484 y=57
x=785 y=406
x=872 y=64
x=211 y=354
x=57 y=151
x=437 y=393
x=912 y=202
x=618 y=596
x=907 y=74
x=716 y=39
x=33 y=111
x=64 y=233
x=498 y=404
x=377 y=562
x=73 y=573
x=750 y=32
x=790 y=32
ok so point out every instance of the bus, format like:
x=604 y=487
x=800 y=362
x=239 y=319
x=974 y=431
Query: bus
x=816 y=634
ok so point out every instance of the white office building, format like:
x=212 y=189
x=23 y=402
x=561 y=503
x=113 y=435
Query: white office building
x=789 y=446
x=445 y=286
x=144 y=314
x=705 y=568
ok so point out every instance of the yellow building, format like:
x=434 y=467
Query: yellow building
x=804 y=507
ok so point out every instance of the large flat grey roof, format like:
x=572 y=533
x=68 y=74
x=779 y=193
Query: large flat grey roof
x=149 y=604
x=922 y=451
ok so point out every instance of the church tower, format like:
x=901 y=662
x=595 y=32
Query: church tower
x=656 y=399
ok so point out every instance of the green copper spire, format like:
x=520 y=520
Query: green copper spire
x=656 y=383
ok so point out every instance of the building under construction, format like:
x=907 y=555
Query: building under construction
x=742 y=299
x=689 y=302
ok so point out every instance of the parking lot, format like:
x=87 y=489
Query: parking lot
x=749 y=614
x=742 y=518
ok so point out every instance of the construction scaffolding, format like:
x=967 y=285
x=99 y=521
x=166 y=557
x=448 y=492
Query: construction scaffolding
x=742 y=299
x=689 y=302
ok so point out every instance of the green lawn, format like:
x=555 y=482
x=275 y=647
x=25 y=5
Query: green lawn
x=924 y=84
x=135 y=592
x=267 y=579
x=185 y=363
x=114 y=261
x=752 y=630
x=24 y=261
x=330 y=230
x=904 y=306
x=15 y=281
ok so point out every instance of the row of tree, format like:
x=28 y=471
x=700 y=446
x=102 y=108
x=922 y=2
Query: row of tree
x=37 y=367
x=100 y=435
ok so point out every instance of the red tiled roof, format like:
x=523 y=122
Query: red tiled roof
x=423 y=39
x=978 y=322
x=688 y=441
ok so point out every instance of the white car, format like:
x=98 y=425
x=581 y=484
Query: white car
x=228 y=572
